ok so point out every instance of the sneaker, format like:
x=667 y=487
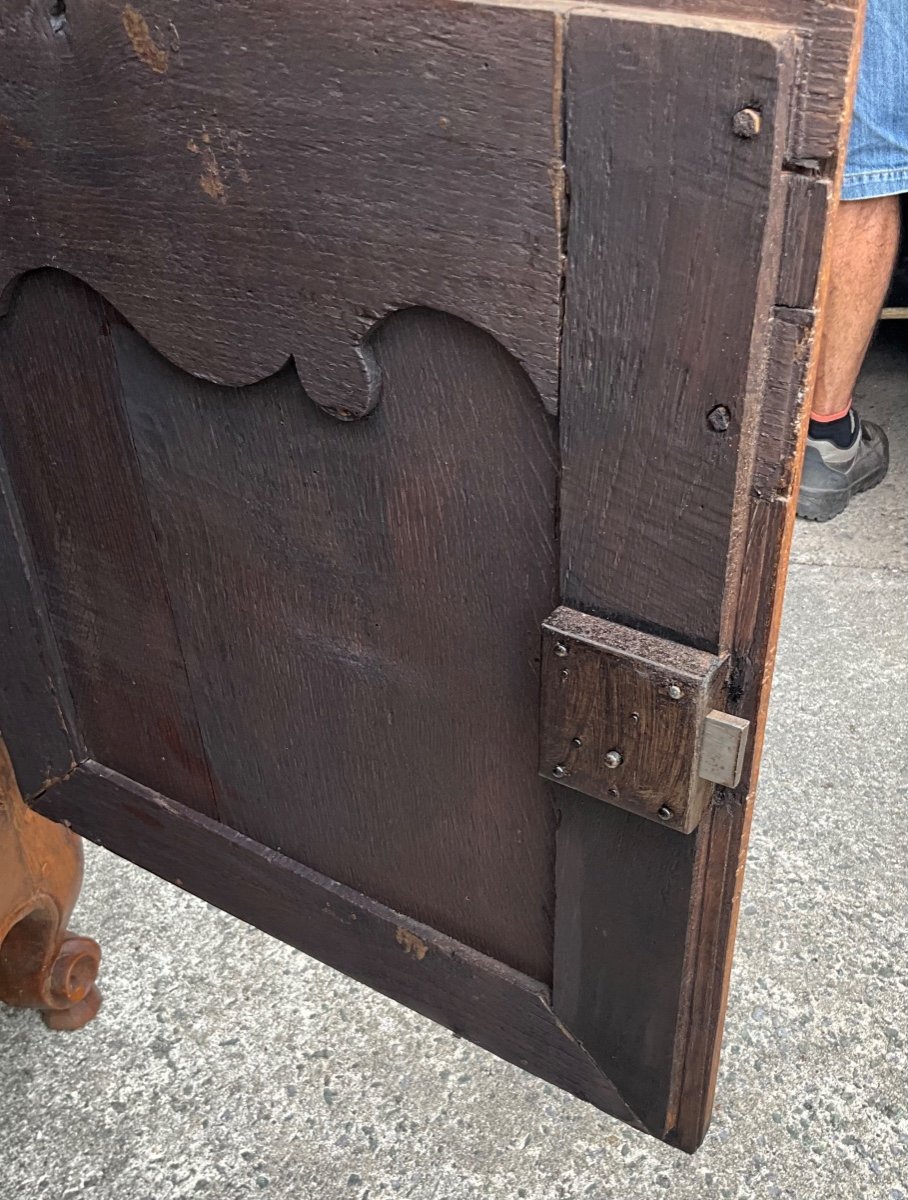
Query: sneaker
x=833 y=475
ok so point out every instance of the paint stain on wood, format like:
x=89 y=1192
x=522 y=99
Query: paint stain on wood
x=18 y=139
x=210 y=180
x=411 y=943
x=144 y=45
x=221 y=152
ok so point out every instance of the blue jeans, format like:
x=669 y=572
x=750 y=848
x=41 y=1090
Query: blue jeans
x=877 y=160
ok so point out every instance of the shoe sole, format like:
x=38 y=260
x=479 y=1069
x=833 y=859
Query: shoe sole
x=824 y=506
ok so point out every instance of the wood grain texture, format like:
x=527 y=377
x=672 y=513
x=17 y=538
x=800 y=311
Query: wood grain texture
x=32 y=721
x=141 y=145
x=791 y=339
x=480 y=999
x=359 y=605
x=723 y=836
x=825 y=30
x=621 y=925
x=73 y=470
x=758 y=617
x=802 y=239
x=668 y=217
x=643 y=918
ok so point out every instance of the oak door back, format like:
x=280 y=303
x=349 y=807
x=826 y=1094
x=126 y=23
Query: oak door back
x=399 y=411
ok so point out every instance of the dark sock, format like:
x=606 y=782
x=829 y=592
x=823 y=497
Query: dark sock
x=840 y=432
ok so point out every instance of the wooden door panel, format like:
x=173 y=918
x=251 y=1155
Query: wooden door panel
x=365 y=665
x=455 y=220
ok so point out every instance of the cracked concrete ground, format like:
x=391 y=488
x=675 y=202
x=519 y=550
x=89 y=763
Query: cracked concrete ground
x=226 y=1065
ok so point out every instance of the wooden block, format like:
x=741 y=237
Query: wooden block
x=806 y=202
x=623 y=716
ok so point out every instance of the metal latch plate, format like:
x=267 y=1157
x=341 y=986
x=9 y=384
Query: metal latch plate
x=635 y=720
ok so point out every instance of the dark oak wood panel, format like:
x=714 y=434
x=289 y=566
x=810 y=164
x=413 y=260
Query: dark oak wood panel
x=478 y=998
x=793 y=336
x=165 y=135
x=621 y=926
x=32 y=710
x=72 y=466
x=826 y=28
x=659 y=310
x=365 y=662
x=723 y=839
x=639 y=981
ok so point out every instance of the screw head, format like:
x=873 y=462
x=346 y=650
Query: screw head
x=578 y=742
x=560 y=649
x=746 y=122
x=665 y=813
x=674 y=692
x=719 y=419
x=559 y=771
x=613 y=759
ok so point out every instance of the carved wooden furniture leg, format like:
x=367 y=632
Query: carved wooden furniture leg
x=42 y=964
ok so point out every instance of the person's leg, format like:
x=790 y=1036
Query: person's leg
x=864 y=240
x=845 y=455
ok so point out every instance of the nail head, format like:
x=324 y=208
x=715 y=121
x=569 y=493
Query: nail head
x=719 y=419
x=747 y=122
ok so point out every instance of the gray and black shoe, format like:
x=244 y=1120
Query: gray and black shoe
x=833 y=474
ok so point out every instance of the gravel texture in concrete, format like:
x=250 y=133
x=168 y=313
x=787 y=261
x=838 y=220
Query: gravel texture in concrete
x=226 y=1065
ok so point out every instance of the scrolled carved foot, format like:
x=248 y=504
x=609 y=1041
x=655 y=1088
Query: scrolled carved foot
x=73 y=997
x=42 y=964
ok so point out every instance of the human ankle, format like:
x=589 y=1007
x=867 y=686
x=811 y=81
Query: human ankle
x=837 y=427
